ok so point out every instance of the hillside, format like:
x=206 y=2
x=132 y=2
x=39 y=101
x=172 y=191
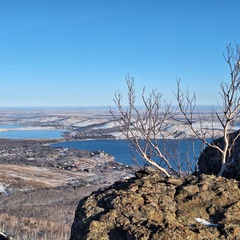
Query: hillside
x=40 y=186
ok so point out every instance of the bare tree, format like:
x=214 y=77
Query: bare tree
x=144 y=126
x=229 y=109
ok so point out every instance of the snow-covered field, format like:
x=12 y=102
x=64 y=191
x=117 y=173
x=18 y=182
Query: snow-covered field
x=93 y=119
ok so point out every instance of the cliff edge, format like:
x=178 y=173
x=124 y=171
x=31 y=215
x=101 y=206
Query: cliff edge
x=151 y=207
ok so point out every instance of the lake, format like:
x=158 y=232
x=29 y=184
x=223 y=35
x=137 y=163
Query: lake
x=32 y=134
x=122 y=152
x=120 y=149
x=10 y=126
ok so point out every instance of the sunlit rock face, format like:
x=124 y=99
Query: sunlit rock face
x=210 y=159
x=151 y=207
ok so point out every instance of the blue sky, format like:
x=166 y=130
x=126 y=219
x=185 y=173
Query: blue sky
x=78 y=52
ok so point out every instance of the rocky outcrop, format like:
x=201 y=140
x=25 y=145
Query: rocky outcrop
x=210 y=159
x=3 y=236
x=151 y=207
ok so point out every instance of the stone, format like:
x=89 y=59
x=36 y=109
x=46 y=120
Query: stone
x=209 y=161
x=153 y=207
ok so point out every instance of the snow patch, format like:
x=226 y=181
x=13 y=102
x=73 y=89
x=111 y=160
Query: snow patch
x=2 y=188
x=205 y=222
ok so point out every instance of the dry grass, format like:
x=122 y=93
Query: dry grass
x=37 y=177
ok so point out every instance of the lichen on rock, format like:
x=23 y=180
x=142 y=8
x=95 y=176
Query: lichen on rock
x=153 y=207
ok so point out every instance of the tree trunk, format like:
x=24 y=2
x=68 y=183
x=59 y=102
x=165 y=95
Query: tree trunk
x=223 y=168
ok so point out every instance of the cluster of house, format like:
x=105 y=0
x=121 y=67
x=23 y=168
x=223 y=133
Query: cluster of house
x=88 y=134
x=62 y=158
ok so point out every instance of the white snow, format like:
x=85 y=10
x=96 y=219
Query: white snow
x=205 y=222
x=2 y=188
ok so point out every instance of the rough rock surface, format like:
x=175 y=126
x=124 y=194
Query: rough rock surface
x=210 y=159
x=152 y=207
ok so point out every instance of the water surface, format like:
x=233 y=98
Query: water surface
x=32 y=134
x=10 y=126
x=123 y=153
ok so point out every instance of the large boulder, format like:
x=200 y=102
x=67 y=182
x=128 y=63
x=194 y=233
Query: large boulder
x=210 y=159
x=3 y=236
x=152 y=207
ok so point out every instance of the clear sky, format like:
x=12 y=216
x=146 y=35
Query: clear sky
x=78 y=52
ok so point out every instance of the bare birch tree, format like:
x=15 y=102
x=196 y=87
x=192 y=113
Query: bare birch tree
x=145 y=125
x=229 y=109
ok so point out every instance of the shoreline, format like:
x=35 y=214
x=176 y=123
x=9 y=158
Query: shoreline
x=77 y=124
